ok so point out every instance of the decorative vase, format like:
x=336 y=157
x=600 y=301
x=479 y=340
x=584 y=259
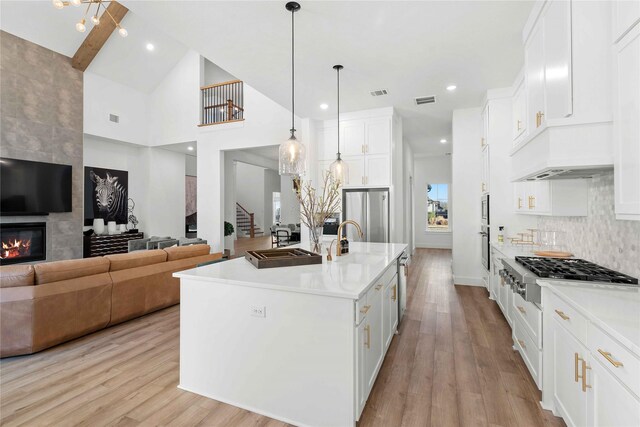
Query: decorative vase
x=111 y=227
x=98 y=225
x=315 y=239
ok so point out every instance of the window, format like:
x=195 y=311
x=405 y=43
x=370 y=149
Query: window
x=438 y=207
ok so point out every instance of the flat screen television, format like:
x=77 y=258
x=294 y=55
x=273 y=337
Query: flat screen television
x=31 y=188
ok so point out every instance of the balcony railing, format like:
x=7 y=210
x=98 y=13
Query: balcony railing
x=222 y=103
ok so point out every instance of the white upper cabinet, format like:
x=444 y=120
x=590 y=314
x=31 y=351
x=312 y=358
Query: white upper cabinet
x=557 y=61
x=627 y=125
x=563 y=197
x=534 y=66
x=353 y=140
x=378 y=136
x=377 y=169
x=486 y=170
x=626 y=14
x=484 y=138
x=519 y=111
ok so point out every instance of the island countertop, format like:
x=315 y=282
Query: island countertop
x=348 y=276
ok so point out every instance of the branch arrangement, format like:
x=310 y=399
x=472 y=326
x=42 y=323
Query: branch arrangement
x=316 y=208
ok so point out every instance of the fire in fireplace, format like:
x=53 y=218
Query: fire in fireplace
x=22 y=242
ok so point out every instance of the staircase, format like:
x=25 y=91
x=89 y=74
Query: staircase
x=245 y=222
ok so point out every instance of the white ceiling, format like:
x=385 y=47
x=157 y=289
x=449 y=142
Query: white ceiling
x=182 y=148
x=124 y=60
x=409 y=48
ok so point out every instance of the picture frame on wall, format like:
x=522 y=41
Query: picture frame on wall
x=106 y=194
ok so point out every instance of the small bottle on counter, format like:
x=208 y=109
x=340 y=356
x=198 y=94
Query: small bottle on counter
x=501 y=234
x=344 y=246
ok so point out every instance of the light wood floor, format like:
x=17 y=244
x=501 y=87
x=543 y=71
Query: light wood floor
x=451 y=365
x=245 y=244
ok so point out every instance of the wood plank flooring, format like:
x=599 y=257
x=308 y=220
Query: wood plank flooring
x=451 y=365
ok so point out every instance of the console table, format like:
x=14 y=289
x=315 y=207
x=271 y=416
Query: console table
x=99 y=245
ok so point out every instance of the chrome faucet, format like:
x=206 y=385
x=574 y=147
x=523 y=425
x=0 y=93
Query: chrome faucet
x=342 y=224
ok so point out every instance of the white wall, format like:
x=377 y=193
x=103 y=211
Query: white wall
x=266 y=123
x=156 y=182
x=174 y=105
x=103 y=97
x=409 y=195
x=191 y=165
x=289 y=205
x=271 y=185
x=214 y=74
x=431 y=170
x=465 y=200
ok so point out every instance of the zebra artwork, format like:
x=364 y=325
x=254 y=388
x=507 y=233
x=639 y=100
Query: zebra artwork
x=106 y=195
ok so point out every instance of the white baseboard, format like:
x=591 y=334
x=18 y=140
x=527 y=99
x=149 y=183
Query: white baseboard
x=468 y=281
x=427 y=246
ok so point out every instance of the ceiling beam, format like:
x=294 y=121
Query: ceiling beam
x=98 y=36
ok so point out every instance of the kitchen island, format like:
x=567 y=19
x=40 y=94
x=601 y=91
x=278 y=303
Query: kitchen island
x=299 y=344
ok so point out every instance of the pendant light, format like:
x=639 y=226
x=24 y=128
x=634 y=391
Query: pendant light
x=339 y=169
x=291 y=154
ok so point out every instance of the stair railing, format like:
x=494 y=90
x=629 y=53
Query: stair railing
x=252 y=224
x=222 y=103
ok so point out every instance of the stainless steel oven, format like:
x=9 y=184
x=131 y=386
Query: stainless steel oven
x=485 y=209
x=485 y=235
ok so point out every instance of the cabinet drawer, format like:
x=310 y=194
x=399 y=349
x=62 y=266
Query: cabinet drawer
x=573 y=321
x=530 y=316
x=362 y=307
x=617 y=358
x=528 y=350
x=388 y=274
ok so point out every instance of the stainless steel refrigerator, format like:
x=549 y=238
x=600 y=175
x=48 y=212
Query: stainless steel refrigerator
x=369 y=207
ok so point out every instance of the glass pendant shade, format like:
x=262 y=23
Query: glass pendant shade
x=339 y=170
x=291 y=156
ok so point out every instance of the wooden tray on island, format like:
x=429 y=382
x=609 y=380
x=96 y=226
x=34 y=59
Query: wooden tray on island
x=271 y=258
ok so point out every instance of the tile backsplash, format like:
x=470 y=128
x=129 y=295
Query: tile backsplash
x=599 y=237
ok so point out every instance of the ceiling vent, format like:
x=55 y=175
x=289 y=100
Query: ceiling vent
x=113 y=118
x=425 y=100
x=379 y=92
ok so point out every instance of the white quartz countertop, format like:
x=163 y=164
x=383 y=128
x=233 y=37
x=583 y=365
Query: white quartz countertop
x=512 y=251
x=615 y=309
x=347 y=276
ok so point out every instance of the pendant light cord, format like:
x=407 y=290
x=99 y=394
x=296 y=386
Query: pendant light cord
x=293 y=74
x=338 y=70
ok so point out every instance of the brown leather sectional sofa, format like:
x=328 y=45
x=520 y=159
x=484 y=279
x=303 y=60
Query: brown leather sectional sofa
x=46 y=304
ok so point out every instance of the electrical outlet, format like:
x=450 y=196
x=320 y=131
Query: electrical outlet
x=259 y=311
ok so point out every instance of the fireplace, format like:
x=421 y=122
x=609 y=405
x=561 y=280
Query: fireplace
x=23 y=242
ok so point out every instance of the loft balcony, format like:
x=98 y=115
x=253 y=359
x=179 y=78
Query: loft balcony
x=222 y=103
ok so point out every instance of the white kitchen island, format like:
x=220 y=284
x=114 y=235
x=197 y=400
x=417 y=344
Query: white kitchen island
x=299 y=344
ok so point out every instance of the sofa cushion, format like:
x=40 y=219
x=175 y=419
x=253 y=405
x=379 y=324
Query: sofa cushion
x=16 y=275
x=136 y=259
x=66 y=270
x=182 y=252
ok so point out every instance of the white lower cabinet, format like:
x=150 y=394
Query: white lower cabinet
x=376 y=324
x=611 y=403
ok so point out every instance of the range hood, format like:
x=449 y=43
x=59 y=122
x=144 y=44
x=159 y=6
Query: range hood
x=564 y=151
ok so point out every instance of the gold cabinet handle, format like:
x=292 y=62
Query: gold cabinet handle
x=395 y=292
x=378 y=287
x=364 y=309
x=519 y=202
x=522 y=310
x=576 y=360
x=609 y=358
x=562 y=315
x=584 y=376
x=362 y=148
x=368 y=330
x=518 y=124
x=532 y=202
x=484 y=186
x=522 y=344
x=482 y=144
x=539 y=116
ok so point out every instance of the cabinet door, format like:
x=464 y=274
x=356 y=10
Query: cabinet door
x=519 y=197
x=534 y=72
x=374 y=335
x=323 y=167
x=328 y=140
x=356 y=170
x=540 y=192
x=378 y=136
x=377 y=169
x=486 y=171
x=386 y=316
x=484 y=138
x=394 y=308
x=557 y=60
x=519 y=108
x=627 y=125
x=625 y=15
x=609 y=402
x=568 y=354
x=362 y=390
x=352 y=141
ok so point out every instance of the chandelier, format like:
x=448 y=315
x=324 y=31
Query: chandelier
x=95 y=16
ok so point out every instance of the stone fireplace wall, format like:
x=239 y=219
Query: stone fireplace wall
x=41 y=120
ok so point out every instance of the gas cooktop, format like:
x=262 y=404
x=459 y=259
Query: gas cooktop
x=573 y=269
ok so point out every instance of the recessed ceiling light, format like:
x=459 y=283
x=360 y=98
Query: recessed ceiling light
x=190 y=148
x=150 y=47
x=451 y=88
x=443 y=141
x=324 y=106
